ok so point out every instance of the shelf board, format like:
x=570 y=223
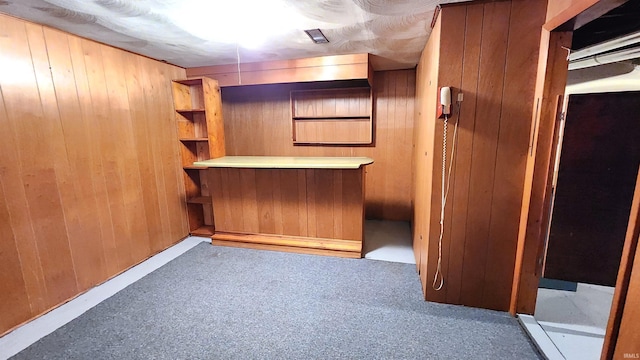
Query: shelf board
x=193 y=139
x=196 y=81
x=193 y=167
x=190 y=111
x=335 y=118
x=199 y=200
x=346 y=143
x=205 y=230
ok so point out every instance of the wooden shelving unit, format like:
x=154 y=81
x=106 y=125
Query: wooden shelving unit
x=340 y=116
x=198 y=109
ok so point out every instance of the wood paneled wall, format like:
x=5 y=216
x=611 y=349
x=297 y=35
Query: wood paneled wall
x=323 y=68
x=258 y=122
x=488 y=51
x=89 y=166
x=315 y=203
x=424 y=137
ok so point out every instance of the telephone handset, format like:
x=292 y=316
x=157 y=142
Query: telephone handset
x=444 y=103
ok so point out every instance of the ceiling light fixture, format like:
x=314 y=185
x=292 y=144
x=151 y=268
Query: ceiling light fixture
x=249 y=23
x=317 y=36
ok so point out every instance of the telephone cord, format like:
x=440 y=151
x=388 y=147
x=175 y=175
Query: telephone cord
x=438 y=278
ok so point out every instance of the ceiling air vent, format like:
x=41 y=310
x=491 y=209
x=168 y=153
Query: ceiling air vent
x=317 y=36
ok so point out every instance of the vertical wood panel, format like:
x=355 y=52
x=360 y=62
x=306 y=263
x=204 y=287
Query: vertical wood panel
x=628 y=337
x=397 y=120
x=11 y=176
x=250 y=215
x=12 y=304
x=80 y=168
x=492 y=61
x=515 y=119
x=534 y=216
x=237 y=209
x=289 y=202
x=623 y=290
x=311 y=189
x=352 y=219
x=325 y=205
x=258 y=122
x=338 y=205
x=426 y=89
x=109 y=156
x=168 y=150
x=449 y=74
x=32 y=133
x=150 y=225
x=88 y=258
x=94 y=165
x=483 y=159
x=264 y=197
x=459 y=193
x=150 y=82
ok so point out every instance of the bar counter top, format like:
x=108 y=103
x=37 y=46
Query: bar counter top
x=285 y=162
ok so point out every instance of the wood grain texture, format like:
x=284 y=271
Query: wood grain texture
x=628 y=337
x=515 y=113
x=214 y=120
x=624 y=289
x=561 y=11
x=325 y=68
x=284 y=248
x=332 y=116
x=351 y=246
x=424 y=137
x=459 y=195
x=496 y=75
x=200 y=127
x=331 y=103
x=333 y=131
x=258 y=122
x=271 y=203
x=89 y=170
x=449 y=73
x=550 y=84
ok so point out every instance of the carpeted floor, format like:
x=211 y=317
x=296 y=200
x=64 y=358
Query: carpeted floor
x=227 y=303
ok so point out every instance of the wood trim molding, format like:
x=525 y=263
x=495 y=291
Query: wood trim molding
x=552 y=75
x=554 y=21
x=624 y=275
x=323 y=246
x=324 y=68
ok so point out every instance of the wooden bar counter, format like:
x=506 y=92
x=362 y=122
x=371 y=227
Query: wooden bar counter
x=312 y=205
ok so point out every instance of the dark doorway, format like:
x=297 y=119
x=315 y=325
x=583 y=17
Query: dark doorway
x=596 y=179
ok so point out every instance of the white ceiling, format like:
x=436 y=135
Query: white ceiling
x=182 y=32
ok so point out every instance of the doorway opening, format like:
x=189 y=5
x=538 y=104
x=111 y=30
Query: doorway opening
x=593 y=187
x=564 y=249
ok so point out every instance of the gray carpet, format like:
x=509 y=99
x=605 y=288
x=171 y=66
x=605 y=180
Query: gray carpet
x=227 y=303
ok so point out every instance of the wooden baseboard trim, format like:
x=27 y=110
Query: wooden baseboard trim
x=290 y=249
x=318 y=246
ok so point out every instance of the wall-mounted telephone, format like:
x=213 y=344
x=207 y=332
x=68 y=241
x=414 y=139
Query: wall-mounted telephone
x=444 y=102
x=444 y=112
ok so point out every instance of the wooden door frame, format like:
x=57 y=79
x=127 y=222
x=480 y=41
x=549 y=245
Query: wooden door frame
x=549 y=92
x=624 y=275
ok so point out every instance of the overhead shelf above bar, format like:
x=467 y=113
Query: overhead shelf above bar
x=324 y=68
